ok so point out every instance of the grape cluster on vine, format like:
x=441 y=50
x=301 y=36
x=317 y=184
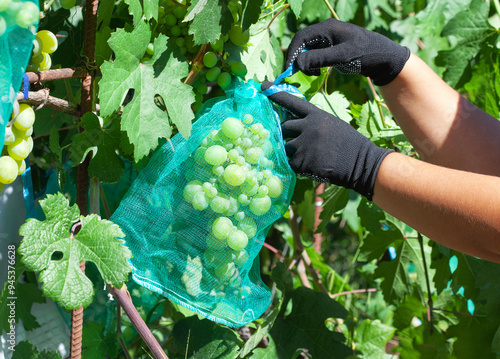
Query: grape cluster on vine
x=45 y=43
x=18 y=144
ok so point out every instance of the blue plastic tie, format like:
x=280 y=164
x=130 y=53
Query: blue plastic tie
x=26 y=86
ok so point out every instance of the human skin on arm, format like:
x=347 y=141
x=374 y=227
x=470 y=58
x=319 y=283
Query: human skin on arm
x=458 y=209
x=453 y=199
x=443 y=127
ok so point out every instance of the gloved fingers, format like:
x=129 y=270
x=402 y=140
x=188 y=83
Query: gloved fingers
x=265 y=85
x=296 y=106
x=291 y=148
x=292 y=128
x=311 y=61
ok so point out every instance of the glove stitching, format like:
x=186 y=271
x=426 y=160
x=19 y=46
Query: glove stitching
x=314 y=177
x=318 y=41
x=349 y=68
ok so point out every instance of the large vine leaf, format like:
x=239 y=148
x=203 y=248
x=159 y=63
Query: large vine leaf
x=262 y=57
x=250 y=12
x=304 y=327
x=96 y=242
x=372 y=338
x=97 y=344
x=210 y=19
x=161 y=76
x=335 y=103
x=199 y=339
x=105 y=163
x=469 y=30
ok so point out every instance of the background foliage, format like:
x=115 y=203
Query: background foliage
x=373 y=287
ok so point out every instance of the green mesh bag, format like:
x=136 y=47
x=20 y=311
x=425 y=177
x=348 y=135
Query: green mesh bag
x=18 y=21
x=196 y=217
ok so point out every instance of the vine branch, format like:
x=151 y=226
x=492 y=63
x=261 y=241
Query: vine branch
x=123 y=298
x=41 y=98
x=56 y=74
x=275 y=16
x=354 y=291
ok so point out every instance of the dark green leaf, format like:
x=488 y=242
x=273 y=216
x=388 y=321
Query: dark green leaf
x=105 y=163
x=250 y=12
x=203 y=339
x=96 y=344
x=212 y=18
x=469 y=30
x=305 y=326
x=25 y=350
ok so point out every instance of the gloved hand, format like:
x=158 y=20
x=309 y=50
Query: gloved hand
x=326 y=148
x=348 y=48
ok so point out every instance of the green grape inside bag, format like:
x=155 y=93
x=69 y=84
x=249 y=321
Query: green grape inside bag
x=197 y=216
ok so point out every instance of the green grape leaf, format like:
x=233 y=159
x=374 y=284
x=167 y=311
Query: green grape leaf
x=151 y=9
x=211 y=18
x=335 y=103
x=335 y=199
x=105 y=163
x=96 y=242
x=304 y=327
x=346 y=9
x=250 y=12
x=308 y=85
x=161 y=76
x=395 y=272
x=469 y=30
x=372 y=338
x=260 y=56
x=296 y=6
x=26 y=350
x=315 y=11
x=282 y=277
x=201 y=339
x=135 y=9
x=484 y=87
x=408 y=307
x=96 y=344
x=102 y=50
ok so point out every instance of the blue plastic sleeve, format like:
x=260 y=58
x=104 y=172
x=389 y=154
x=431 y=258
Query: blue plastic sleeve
x=26 y=86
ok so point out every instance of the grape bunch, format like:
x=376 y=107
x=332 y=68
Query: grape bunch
x=17 y=145
x=235 y=183
x=23 y=14
x=170 y=19
x=44 y=44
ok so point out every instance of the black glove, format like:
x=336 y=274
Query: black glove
x=326 y=148
x=348 y=48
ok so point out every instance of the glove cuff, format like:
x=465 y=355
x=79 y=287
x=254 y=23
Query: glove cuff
x=368 y=174
x=394 y=68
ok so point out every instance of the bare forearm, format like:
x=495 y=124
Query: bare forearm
x=458 y=209
x=444 y=128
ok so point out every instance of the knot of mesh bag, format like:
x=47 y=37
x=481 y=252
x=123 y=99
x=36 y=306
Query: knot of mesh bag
x=18 y=23
x=196 y=217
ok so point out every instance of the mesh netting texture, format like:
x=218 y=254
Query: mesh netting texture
x=18 y=22
x=196 y=217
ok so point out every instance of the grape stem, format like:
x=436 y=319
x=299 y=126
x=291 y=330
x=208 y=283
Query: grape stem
x=275 y=16
x=334 y=14
x=197 y=66
x=354 y=291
